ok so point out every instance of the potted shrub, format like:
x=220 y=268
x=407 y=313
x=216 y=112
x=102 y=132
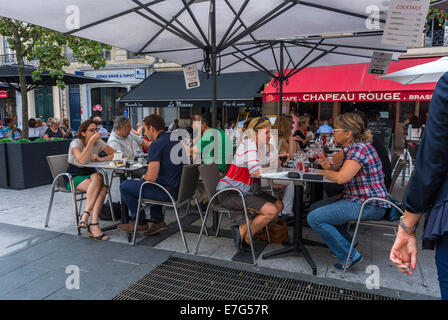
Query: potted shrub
x=27 y=163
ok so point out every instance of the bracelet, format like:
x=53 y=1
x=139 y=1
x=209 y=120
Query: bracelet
x=406 y=228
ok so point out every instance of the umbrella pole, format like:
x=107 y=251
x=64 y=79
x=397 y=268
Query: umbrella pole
x=213 y=62
x=280 y=73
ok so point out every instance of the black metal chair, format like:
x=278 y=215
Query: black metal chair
x=187 y=192
x=210 y=179
x=356 y=232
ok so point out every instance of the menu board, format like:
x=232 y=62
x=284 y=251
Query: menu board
x=405 y=22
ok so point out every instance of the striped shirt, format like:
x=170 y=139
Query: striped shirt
x=245 y=162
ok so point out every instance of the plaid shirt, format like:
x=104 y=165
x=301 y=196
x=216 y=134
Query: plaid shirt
x=369 y=181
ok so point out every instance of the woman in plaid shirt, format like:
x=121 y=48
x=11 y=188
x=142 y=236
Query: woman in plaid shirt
x=362 y=176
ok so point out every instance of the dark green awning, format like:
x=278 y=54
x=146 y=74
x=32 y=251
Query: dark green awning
x=167 y=89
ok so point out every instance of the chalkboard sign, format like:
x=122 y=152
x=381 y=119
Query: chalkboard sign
x=184 y=113
x=326 y=110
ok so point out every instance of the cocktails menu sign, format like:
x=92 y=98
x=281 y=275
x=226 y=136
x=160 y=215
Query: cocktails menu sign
x=405 y=22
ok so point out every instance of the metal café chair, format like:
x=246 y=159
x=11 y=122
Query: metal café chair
x=210 y=179
x=356 y=231
x=187 y=192
x=58 y=165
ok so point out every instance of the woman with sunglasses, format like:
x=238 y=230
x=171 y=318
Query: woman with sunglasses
x=362 y=176
x=250 y=156
x=83 y=150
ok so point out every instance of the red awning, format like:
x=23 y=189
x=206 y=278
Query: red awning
x=350 y=82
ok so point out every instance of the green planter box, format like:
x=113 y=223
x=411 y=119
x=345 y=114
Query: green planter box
x=3 y=166
x=27 y=163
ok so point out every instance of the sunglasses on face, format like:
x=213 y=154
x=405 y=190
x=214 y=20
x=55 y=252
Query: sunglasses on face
x=93 y=130
x=339 y=130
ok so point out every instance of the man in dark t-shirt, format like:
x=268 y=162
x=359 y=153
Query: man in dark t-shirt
x=162 y=169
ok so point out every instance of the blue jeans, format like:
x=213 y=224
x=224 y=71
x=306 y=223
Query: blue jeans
x=328 y=221
x=442 y=265
x=130 y=190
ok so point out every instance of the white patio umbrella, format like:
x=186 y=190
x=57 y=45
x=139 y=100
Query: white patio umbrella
x=202 y=30
x=427 y=72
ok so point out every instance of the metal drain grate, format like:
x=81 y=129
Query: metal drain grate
x=179 y=279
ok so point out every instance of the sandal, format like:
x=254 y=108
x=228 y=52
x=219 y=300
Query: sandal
x=83 y=224
x=100 y=237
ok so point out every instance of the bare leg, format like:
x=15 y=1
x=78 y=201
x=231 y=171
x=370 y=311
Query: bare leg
x=95 y=230
x=92 y=187
x=268 y=212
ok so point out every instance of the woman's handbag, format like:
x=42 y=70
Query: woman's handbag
x=278 y=232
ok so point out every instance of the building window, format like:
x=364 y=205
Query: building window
x=132 y=55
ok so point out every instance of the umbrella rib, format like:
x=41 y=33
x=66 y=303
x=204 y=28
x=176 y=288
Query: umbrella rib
x=291 y=60
x=180 y=34
x=198 y=26
x=420 y=75
x=112 y=17
x=240 y=59
x=254 y=61
x=239 y=19
x=252 y=65
x=345 y=12
x=235 y=19
x=258 y=24
x=350 y=46
x=323 y=54
x=164 y=28
x=275 y=58
x=340 y=53
x=306 y=56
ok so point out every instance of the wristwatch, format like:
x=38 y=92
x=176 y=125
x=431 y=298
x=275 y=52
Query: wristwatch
x=406 y=228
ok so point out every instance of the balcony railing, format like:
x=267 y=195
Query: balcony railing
x=11 y=59
x=436 y=38
x=71 y=58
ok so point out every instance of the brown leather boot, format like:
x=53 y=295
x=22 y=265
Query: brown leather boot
x=156 y=228
x=129 y=228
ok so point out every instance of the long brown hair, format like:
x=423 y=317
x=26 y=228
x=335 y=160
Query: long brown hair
x=284 y=127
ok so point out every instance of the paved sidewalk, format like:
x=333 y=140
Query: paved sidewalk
x=25 y=245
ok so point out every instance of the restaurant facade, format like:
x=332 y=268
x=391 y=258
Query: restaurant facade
x=326 y=91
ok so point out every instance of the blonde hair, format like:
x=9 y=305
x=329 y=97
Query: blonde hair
x=353 y=122
x=302 y=121
x=284 y=127
x=52 y=121
x=256 y=124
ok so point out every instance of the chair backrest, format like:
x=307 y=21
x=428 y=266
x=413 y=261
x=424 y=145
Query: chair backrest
x=210 y=178
x=394 y=160
x=400 y=165
x=188 y=182
x=58 y=164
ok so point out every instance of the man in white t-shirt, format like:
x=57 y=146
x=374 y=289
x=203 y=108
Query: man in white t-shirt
x=122 y=139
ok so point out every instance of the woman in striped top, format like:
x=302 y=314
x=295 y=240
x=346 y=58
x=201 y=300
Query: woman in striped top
x=251 y=155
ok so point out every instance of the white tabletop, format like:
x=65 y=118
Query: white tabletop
x=106 y=165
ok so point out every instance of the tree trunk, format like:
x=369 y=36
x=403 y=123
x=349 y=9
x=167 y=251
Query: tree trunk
x=22 y=81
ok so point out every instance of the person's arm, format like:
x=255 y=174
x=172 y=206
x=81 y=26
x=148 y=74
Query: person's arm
x=47 y=137
x=152 y=172
x=292 y=146
x=84 y=156
x=110 y=154
x=336 y=161
x=426 y=181
x=347 y=172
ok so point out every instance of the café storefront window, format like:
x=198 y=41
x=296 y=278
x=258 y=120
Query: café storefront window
x=106 y=98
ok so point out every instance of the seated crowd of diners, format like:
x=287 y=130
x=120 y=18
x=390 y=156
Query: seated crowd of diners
x=358 y=171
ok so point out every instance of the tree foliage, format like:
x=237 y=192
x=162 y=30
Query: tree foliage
x=31 y=42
